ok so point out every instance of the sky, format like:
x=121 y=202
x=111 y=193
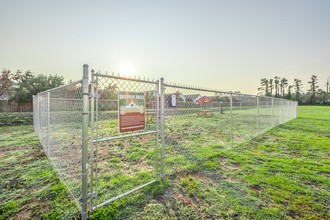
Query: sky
x=225 y=45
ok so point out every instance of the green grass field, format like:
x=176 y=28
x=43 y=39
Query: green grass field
x=281 y=174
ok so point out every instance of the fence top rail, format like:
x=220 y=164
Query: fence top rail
x=206 y=90
x=194 y=88
x=277 y=98
x=128 y=78
x=59 y=87
x=218 y=91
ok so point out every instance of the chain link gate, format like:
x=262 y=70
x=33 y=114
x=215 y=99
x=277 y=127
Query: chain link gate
x=122 y=161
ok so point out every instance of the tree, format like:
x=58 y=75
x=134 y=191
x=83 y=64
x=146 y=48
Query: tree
x=297 y=86
x=277 y=81
x=321 y=96
x=289 y=95
x=283 y=85
x=271 y=87
x=264 y=86
x=328 y=84
x=312 y=90
x=7 y=80
x=109 y=92
x=30 y=84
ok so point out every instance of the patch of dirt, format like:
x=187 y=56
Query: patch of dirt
x=14 y=183
x=39 y=206
x=184 y=199
x=256 y=188
x=37 y=154
x=229 y=167
x=103 y=152
x=201 y=178
x=2 y=155
x=227 y=171
x=223 y=161
x=44 y=207
x=24 y=214
x=292 y=214
x=6 y=150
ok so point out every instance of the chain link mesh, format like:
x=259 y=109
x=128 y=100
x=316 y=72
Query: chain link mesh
x=191 y=126
x=58 y=124
x=196 y=131
x=122 y=164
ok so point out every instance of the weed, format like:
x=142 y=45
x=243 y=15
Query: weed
x=190 y=185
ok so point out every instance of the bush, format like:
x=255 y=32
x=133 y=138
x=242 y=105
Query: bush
x=17 y=118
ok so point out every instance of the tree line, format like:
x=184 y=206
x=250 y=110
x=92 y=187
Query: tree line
x=280 y=88
x=20 y=87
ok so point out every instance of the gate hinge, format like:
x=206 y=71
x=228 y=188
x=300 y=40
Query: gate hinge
x=89 y=196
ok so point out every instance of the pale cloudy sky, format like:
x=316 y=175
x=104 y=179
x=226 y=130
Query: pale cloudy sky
x=226 y=45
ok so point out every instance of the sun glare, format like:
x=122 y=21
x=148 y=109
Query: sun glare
x=127 y=70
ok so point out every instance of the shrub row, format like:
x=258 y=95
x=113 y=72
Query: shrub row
x=17 y=118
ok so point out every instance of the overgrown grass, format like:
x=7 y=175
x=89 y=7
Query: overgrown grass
x=29 y=187
x=281 y=174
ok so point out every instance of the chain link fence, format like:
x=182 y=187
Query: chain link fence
x=58 y=125
x=204 y=121
x=180 y=131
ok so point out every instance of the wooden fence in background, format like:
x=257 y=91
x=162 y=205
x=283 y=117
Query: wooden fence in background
x=6 y=106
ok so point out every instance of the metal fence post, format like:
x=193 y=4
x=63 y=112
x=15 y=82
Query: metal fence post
x=272 y=112
x=257 y=115
x=231 y=119
x=40 y=116
x=281 y=111
x=48 y=123
x=97 y=135
x=84 y=142
x=162 y=113
x=287 y=110
x=157 y=131
x=33 y=113
x=92 y=137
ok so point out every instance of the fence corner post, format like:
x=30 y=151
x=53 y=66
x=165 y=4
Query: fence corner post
x=84 y=143
x=162 y=114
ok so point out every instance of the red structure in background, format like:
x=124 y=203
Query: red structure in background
x=204 y=100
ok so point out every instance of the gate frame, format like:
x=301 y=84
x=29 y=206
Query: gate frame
x=94 y=97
